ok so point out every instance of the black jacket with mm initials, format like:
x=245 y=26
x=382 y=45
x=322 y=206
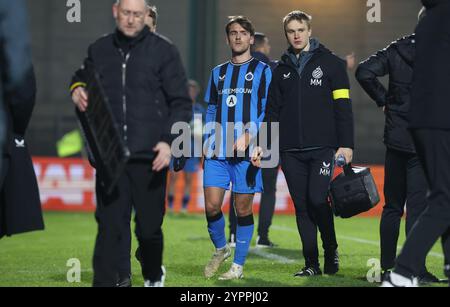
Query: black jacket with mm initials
x=313 y=108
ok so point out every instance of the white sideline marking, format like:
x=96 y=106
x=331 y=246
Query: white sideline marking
x=270 y=256
x=358 y=240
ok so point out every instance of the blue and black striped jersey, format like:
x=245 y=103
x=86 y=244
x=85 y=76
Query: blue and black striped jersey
x=236 y=95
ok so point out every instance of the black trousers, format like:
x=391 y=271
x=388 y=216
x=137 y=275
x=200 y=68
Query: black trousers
x=404 y=183
x=143 y=189
x=3 y=172
x=433 y=149
x=308 y=175
x=267 y=206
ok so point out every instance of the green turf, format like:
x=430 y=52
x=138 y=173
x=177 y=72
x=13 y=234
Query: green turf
x=39 y=259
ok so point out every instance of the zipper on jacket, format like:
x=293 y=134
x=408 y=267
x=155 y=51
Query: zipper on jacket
x=124 y=97
x=300 y=99
x=300 y=109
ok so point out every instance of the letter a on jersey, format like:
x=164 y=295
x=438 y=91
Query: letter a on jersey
x=231 y=101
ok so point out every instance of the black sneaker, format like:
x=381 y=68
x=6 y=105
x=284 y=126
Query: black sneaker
x=264 y=242
x=447 y=273
x=308 y=272
x=428 y=278
x=124 y=282
x=394 y=280
x=385 y=276
x=331 y=266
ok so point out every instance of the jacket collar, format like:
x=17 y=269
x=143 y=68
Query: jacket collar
x=406 y=48
x=126 y=42
x=316 y=49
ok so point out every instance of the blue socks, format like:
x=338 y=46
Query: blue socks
x=244 y=235
x=170 y=200
x=216 y=229
x=186 y=201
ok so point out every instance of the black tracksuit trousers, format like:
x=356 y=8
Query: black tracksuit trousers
x=143 y=189
x=404 y=183
x=308 y=175
x=433 y=149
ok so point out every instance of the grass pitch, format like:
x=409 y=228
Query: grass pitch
x=41 y=258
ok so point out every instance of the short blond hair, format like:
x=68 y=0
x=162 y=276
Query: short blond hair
x=299 y=16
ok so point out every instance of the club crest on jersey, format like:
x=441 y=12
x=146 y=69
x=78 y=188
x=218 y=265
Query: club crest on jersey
x=249 y=77
x=317 y=77
x=231 y=101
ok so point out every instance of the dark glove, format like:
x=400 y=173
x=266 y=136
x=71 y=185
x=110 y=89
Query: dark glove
x=179 y=164
x=252 y=171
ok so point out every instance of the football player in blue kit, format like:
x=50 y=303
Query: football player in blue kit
x=236 y=97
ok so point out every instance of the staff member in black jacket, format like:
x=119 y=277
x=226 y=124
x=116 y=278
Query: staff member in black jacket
x=20 y=207
x=310 y=98
x=15 y=57
x=145 y=82
x=404 y=181
x=20 y=204
x=430 y=126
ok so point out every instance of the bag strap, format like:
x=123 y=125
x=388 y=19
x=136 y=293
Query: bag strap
x=348 y=170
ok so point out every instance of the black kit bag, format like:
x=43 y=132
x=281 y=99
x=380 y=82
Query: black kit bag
x=353 y=192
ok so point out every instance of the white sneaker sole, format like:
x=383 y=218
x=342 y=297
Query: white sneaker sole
x=234 y=278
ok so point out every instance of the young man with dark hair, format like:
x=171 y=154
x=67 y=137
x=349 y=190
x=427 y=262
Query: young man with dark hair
x=310 y=98
x=261 y=51
x=236 y=98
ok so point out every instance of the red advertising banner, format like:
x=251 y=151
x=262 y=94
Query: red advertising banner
x=69 y=185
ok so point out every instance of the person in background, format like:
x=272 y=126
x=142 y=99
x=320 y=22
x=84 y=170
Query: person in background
x=192 y=164
x=152 y=18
